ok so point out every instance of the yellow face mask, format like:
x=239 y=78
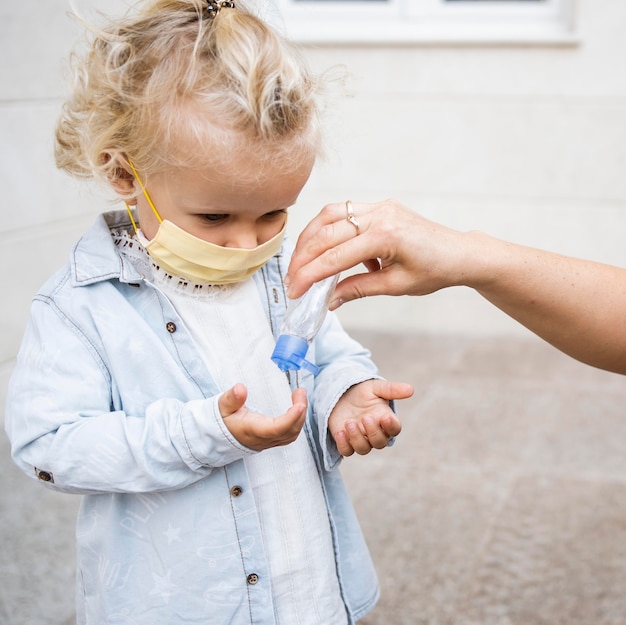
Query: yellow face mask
x=185 y=255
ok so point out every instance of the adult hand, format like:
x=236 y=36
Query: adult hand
x=579 y=306
x=404 y=253
x=259 y=431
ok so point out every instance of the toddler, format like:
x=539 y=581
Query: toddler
x=211 y=487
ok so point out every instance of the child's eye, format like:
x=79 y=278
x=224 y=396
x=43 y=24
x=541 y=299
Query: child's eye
x=274 y=214
x=214 y=218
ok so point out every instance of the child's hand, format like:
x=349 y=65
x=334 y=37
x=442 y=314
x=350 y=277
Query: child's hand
x=259 y=431
x=362 y=419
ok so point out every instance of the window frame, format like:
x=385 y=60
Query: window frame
x=429 y=21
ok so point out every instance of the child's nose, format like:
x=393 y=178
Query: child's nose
x=244 y=238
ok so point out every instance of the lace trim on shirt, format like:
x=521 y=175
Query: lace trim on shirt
x=129 y=246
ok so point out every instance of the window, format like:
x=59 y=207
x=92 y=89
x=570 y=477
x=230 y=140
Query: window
x=405 y=21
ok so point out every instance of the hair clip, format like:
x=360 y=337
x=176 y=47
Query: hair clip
x=214 y=6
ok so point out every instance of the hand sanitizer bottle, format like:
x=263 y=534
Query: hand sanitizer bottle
x=303 y=319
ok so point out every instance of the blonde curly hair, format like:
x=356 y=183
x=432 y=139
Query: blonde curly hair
x=169 y=85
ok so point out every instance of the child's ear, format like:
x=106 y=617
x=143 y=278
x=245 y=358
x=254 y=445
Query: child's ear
x=120 y=174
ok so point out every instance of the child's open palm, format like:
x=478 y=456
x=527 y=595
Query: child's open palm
x=259 y=431
x=362 y=419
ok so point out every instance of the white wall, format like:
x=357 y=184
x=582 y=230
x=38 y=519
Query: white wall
x=527 y=143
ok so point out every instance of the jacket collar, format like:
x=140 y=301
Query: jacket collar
x=95 y=257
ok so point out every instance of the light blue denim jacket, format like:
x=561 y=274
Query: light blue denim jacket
x=110 y=399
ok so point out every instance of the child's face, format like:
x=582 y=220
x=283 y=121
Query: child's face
x=234 y=210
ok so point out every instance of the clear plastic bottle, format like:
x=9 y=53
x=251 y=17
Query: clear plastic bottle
x=303 y=319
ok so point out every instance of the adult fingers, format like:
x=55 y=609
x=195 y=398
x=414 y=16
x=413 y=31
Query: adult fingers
x=338 y=253
x=310 y=238
x=329 y=229
x=363 y=284
x=319 y=241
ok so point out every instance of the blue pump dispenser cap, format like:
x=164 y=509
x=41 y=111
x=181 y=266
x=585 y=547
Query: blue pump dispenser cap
x=290 y=352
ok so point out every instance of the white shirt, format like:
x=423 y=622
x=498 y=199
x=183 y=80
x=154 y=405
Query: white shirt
x=233 y=335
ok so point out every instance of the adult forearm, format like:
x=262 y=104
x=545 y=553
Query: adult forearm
x=576 y=305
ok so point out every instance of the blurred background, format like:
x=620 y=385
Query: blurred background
x=507 y=116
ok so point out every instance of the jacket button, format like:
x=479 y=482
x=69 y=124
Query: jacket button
x=44 y=476
x=171 y=327
x=253 y=578
x=235 y=491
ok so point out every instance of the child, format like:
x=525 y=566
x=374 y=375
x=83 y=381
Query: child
x=144 y=381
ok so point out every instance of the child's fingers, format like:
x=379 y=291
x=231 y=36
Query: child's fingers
x=357 y=438
x=232 y=400
x=391 y=390
x=377 y=435
x=391 y=425
x=367 y=434
x=343 y=445
x=286 y=428
x=299 y=397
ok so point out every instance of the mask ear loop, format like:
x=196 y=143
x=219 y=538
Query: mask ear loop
x=146 y=194
x=132 y=219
